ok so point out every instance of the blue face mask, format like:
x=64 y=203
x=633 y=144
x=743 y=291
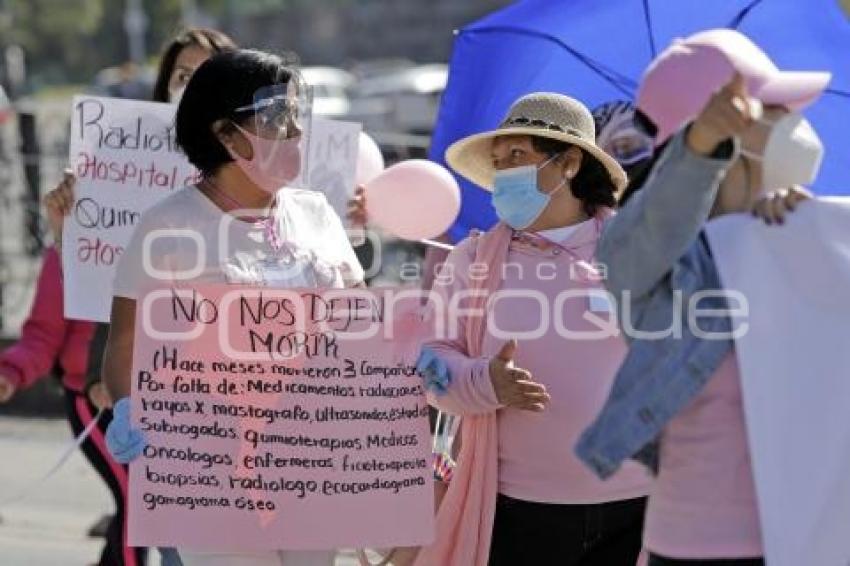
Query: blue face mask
x=517 y=199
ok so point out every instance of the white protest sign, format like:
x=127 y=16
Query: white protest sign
x=332 y=161
x=124 y=156
x=795 y=374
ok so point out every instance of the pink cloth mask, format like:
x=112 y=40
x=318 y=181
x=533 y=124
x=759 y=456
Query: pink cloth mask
x=275 y=162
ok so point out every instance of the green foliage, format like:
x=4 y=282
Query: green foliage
x=71 y=40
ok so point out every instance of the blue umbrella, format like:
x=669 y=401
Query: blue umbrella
x=597 y=51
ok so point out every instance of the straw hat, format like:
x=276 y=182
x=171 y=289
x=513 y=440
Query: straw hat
x=541 y=114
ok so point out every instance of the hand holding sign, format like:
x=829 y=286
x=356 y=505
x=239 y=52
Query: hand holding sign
x=514 y=387
x=414 y=199
x=59 y=202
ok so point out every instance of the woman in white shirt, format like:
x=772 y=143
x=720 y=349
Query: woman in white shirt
x=240 y=122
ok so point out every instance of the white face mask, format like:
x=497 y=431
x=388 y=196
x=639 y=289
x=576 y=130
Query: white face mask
x=792 y=154
x=175 y=95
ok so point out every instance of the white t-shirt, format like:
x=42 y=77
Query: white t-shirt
x=559 y=235
x=190 y=240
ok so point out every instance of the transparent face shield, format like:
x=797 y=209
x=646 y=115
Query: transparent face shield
x=628 y=146
x=621 y=136
x=279 y=122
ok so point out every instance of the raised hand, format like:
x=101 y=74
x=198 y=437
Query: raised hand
x=726 y=115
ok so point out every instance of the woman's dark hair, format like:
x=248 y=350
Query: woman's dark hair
x=640 y=175
x=223 y=83
x=209 y=40
x=592 y=185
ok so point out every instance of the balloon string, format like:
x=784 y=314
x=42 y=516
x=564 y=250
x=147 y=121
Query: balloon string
x=66 y=452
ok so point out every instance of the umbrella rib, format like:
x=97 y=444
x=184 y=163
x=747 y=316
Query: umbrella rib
x=736 y=21
x=620 y=82
x=649 y=32
x=836 y=92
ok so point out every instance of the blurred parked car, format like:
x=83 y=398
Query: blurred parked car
x=127 y=80
x=330 y=90
x=372 y=68
x=401 y=101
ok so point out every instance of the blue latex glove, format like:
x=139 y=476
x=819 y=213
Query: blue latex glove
x=125 y=443
x=433 y=371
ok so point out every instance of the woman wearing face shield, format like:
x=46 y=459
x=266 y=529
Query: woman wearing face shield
x=240 y=122
x=526 y=369
x=676 y=403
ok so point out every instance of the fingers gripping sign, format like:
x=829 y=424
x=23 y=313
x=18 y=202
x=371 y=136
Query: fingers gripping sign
x=775 y=205
x=59 y=203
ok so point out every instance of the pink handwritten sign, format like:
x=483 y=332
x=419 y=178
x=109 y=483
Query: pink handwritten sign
x=278 y=419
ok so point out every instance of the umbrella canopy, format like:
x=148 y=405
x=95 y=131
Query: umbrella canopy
x=597 y=51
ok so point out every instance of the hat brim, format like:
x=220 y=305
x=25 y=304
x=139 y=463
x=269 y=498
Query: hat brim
x=794 y=90
x=471 y=156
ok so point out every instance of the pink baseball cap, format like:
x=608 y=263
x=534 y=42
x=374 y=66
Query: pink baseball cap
x=679 y=82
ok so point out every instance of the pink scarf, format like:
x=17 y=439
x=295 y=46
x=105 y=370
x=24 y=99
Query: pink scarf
x=465 y=517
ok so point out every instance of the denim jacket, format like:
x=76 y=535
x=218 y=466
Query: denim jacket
x=655 y=250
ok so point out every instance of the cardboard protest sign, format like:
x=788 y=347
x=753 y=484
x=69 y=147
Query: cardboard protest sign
x=278 y=419
x=332 y=161
x=124 y=156
x=795 y=373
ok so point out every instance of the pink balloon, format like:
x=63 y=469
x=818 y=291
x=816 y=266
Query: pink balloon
x=414 y=199
x=370 y=161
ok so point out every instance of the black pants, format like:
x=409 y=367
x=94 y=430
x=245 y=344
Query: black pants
x=655 y=560
x=605 y=534
x=80 y=413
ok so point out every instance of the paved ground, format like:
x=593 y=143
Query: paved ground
x=48 y=528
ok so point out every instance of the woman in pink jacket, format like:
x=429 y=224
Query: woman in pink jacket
x=528 y=354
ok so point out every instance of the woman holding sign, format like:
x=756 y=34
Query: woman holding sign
x=242 y=122
x=528 y=377
x=180 y=57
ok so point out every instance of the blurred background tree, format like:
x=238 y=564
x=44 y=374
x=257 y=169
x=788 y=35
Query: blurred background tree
x=71 y=40
x=50 y=33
